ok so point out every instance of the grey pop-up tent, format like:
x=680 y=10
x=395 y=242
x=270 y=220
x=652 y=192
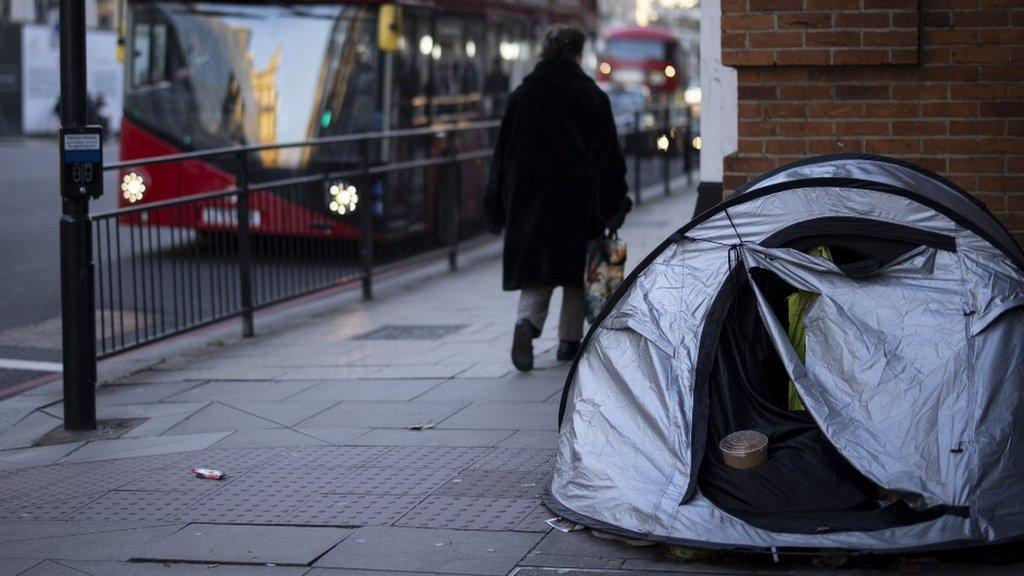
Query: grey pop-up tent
x=909 y=427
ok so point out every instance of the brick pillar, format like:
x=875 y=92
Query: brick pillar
x=937 y=82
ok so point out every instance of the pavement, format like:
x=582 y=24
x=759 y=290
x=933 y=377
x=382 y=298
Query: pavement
x=358 y=439
x=30 y=256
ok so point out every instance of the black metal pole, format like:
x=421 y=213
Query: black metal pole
x=244 y=246
x=78 y=307
x=451 y=205
x=666 y=167
x=688 y=146
x=638 y=144
x=366 y=224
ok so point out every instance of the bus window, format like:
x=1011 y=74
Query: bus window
x=140 y=58
x=636 y=50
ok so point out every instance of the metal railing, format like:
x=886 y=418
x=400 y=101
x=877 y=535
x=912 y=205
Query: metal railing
x=169 y=266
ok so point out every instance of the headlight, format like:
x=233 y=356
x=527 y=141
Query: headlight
x=663 y=143
x=605 y=68
x=692 y=95
x=670 y=71
x=342 y=198
x=133 y=187
x=696 y=142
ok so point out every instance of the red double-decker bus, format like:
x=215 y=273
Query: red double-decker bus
x=641 y=56
x=203 y=75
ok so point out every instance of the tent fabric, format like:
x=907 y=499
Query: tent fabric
x=912 y=374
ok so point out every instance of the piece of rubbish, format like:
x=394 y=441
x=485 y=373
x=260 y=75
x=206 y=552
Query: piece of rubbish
x=208 y=473
x=744 y=449
x=423 y=425
x=562 y=525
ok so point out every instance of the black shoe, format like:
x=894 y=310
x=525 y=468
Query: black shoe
x=567 y=350
x=522 y=345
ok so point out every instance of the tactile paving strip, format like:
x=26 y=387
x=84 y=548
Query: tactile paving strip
x=273 y=479
x=176 y=479
x=138 y=506
x=518 y=459
x=468 y=513
x=353 y=509
x=536 y=520
x=456 y=458
x=231 y=461
x=329 y=457
x=420 y=481
x=247 y=507
x=496 y=484
x=50 y=509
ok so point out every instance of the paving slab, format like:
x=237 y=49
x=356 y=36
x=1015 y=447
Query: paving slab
x=41 y=456
x=497 y=484
x=346 y=572
x=506 y=416
x=116 y=545
x=425 y=550
x=132 y=447
x=432 y=437
x=356 y=390
x=283 y=545
x=15 y=530
x=335 y=436
x=581 y=549
x=218 y=391
x=219 y=417
x=531 y=439
x=138 y=506
x=16 y=566
x=49 y=568
x=452 y=457
x=114 y=394
x=283 y=412
x=518 y=459
x=493 y=390
x=383 y=414
x=14 y=409
x=468 y=513
x=536 y=520
x=28 y=430
x=272 y=437
x=101 y=568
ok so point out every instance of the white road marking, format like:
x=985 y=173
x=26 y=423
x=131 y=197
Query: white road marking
x=15 y=364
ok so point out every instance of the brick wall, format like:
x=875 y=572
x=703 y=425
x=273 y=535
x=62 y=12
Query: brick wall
x=936 y=82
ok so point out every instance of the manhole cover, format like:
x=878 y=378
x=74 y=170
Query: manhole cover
x=105 y=430
x=416 y=332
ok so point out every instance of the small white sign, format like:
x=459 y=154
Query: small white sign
x=81 y=142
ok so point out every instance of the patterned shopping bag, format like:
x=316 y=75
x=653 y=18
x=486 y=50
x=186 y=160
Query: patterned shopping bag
x=606 y=264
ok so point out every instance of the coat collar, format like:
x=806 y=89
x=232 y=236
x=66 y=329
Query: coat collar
x=557 y=68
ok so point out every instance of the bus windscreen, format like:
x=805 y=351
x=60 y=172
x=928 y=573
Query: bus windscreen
x=637 y=50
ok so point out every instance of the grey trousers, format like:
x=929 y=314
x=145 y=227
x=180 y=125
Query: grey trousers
x=533 y=305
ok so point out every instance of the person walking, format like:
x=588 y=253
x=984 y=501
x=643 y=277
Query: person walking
x=558 y=180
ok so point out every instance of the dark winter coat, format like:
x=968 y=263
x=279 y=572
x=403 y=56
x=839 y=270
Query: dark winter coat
x=557 y=176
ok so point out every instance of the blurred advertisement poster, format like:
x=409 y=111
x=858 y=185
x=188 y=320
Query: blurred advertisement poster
x=40 y=76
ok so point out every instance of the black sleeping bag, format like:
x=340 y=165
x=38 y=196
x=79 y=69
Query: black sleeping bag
x=805 y=485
